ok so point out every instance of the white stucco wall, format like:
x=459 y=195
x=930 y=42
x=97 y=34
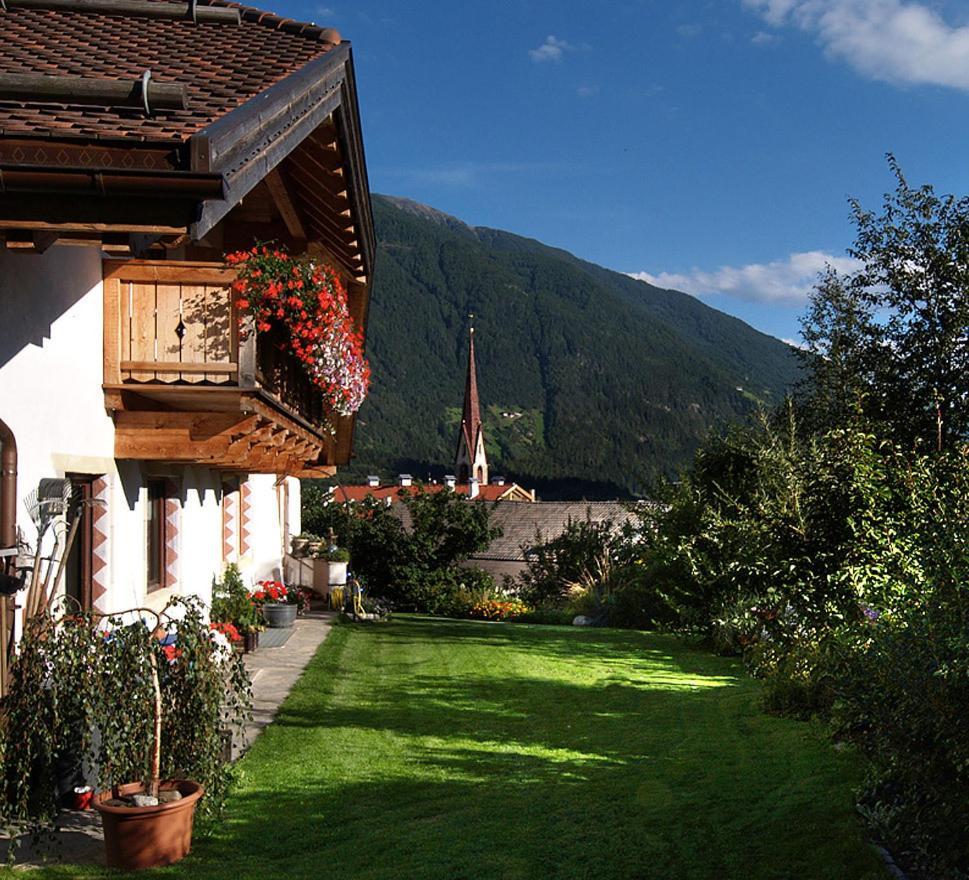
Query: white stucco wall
x=269 y=520
x=51 y=371
x=51 y=365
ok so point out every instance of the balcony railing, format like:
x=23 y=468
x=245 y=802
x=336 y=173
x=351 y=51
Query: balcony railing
x=281 y=373
x=173 y=327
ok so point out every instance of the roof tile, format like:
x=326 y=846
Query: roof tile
x=221 y=66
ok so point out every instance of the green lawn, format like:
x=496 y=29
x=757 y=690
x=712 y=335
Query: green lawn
x=425 y=749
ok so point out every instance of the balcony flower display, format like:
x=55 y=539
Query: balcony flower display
x=308 y=300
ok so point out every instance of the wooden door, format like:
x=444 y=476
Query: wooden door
x=78 y=578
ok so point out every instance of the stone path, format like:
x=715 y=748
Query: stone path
x=274 y=671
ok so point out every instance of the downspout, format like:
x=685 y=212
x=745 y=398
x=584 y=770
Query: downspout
x=8 y=538
x=8 y=487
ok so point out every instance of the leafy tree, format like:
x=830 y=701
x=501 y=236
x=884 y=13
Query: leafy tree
x=894 y=335
x=413 y=564
x=446 y=529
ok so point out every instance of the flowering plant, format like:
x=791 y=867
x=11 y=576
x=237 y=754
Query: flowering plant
x=309 y=301
x=497 y=609
x=274 y=593
x=302 y=597
x=227 y=629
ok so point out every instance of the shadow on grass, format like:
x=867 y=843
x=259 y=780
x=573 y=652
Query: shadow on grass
x=609 y=646
x=390 y=762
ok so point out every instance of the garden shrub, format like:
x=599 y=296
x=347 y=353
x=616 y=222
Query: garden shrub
x=554 y=566
x=414 y=568
x=544 y=617
x=838 y=566
x=902 y=681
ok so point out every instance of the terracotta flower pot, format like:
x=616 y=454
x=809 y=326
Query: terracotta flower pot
x=279 y=616
x=148 y=837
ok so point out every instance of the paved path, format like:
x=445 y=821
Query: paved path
x=274 y=671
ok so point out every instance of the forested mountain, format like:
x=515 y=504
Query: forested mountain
x=591 y=383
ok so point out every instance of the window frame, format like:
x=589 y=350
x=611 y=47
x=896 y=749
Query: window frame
x=155 y=550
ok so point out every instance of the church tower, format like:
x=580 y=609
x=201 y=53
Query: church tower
x=471 y=459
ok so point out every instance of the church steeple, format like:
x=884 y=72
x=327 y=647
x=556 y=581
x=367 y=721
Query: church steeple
x=471 y=458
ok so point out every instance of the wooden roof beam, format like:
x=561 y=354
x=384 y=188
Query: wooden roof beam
x=284 y=204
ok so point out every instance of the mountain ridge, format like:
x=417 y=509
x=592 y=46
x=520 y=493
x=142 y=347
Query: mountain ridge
x=593 y=383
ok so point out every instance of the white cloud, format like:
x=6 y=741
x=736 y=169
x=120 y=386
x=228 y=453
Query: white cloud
x=890 y=40
x=782 y=281
x=325 y=12
x=471 y=174
x=764 y=38
x=587 y=91
x=551 y=50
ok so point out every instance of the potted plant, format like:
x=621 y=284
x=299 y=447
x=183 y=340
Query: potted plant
x=330 y=569
x=143 y=698
x=232 y=603
x=302 y=545
x=250 y=637
x=279 y=605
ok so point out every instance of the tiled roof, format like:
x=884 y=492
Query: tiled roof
x=521 y=523
x=221 y=65
x=356 y=494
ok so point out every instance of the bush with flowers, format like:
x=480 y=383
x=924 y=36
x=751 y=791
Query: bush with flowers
x=301 y=597
x=233 y=604
x=308 y=301
x=497 y=609
x=228 y=630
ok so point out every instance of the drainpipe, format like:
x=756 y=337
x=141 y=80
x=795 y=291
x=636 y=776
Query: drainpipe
x=8 y=487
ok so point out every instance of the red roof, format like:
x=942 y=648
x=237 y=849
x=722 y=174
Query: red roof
x=221 y=65
x=356 y=494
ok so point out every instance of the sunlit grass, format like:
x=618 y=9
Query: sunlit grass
x=429 y=750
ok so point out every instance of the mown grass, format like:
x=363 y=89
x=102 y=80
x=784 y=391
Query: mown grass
x=428 y=749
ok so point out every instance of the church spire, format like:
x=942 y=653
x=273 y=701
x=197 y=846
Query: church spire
x=471 y=458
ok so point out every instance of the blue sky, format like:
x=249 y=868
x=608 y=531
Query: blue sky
x=711 y=146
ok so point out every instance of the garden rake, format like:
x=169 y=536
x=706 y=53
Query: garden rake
x=44 y=504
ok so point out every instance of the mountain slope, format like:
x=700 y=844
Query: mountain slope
x=593 y=383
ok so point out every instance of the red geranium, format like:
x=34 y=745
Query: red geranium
x=307 y=299
x=228 y=630
x=270 y=592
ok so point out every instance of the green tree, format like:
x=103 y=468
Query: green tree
x=893 y=337
x=407 y=554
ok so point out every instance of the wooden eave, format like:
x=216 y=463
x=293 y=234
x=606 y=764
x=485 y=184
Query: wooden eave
x=309 y=120
x=291 y=121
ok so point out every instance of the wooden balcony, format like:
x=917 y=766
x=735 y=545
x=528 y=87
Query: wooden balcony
x=183 y=387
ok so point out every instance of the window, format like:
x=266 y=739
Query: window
x=156 y=535
x=78 y=570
